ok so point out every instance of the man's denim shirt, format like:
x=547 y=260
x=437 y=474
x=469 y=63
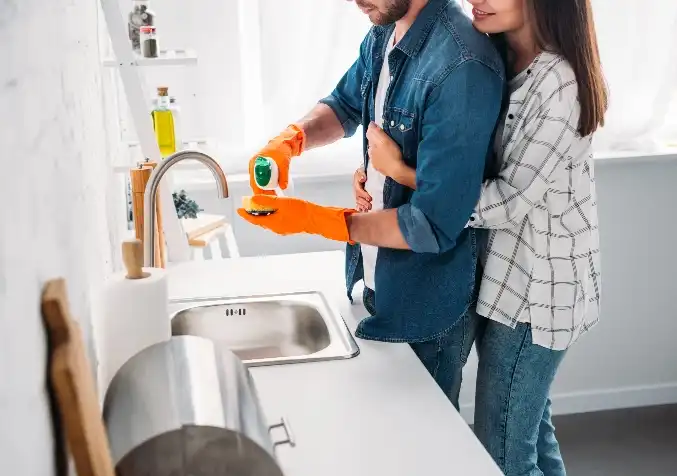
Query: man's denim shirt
x=441 y=108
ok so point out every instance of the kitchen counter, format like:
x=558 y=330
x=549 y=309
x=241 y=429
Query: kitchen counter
x=378 y=414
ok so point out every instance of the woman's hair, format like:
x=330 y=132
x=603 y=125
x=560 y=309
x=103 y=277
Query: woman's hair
x=567 y=27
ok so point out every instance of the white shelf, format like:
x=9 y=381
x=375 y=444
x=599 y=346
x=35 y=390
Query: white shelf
x=186 y=144
x=189 y=144
x=165 y=58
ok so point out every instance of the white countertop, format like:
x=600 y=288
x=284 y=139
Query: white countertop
x=378 y=414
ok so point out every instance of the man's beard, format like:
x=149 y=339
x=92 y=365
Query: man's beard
x=395 y=11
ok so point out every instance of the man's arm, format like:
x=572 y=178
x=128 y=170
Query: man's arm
x=338 y=115
x=458 y=125
x=321 y=127
x=379 y=228
x=345 y=102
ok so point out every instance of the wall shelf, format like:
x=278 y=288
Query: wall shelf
x=186 y=144
x=201 y=144
x=165 y=58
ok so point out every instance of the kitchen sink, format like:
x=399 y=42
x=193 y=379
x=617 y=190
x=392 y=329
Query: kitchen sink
x=268 y=330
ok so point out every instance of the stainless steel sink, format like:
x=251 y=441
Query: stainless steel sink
x=268 y=330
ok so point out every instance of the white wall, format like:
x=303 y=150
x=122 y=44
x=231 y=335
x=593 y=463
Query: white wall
x=630 y=359
x=53 y=180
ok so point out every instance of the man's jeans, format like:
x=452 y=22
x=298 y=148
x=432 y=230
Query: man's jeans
x=445 y=356
x=512 y=404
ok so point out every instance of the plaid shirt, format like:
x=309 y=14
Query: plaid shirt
x=541 y=264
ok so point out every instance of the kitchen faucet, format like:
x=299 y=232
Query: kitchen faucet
x=150 y=194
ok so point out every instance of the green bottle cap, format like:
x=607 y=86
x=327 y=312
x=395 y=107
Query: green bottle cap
x=263 y=171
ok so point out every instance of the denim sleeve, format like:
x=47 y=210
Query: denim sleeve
x=457 y=130
x=346 y=99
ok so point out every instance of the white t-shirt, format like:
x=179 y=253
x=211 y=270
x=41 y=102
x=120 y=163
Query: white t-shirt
x=375 y=179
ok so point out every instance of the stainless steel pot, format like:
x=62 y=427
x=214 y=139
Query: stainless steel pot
x=187 y=407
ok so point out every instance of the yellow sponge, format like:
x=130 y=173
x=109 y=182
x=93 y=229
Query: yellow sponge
x=254 y=209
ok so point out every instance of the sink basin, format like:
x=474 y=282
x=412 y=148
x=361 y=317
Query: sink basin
x=268 y=330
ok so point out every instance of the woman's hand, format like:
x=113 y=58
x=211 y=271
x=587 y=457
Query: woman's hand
x=362 y=197
x=386 y=157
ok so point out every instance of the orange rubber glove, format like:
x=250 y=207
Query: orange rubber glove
x=294 y=216
x=290 y=143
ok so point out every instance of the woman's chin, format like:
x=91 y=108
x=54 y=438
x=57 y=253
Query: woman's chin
x=482 y=27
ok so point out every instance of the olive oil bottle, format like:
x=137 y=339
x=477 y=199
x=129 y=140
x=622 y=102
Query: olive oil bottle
x=163 y=123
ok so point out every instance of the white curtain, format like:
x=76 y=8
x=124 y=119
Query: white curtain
x=306 y=47
x=308 y=44
x=638 y=44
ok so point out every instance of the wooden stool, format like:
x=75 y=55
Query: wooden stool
x=208 y=235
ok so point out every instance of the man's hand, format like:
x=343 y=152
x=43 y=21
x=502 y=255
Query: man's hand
x=293 y=216
x=290 y=143
x=362 y=197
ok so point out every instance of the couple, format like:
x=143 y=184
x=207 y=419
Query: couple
x=476 y=209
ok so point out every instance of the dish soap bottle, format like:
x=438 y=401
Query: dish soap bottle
x=266 y=175
x=163 y=123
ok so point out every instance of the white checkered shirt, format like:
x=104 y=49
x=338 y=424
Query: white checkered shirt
x=542 y=259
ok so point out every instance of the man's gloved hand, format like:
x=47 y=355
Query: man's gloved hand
x=290 y=143
x=294 y=216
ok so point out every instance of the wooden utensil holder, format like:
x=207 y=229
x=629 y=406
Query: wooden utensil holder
x=139 y=179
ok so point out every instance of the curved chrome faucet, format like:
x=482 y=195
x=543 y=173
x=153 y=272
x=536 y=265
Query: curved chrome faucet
x=151 y=193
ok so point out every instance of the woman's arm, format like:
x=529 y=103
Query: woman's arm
x=405 y=176
x=539 y=158
x=386 y=157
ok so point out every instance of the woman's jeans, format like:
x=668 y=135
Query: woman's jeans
x=512 y=404
x=445 y=356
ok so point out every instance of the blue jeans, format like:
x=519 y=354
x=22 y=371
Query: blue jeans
x=512 y=403
x=445 y=356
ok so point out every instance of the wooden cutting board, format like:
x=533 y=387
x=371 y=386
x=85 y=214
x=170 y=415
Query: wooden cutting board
x=73 y=385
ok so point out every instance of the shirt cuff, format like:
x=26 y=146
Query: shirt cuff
x=348 y=122
x=416 y=230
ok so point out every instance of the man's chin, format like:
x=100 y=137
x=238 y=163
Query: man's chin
x=378 y=19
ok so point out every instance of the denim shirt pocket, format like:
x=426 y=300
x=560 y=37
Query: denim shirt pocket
x=399 y=124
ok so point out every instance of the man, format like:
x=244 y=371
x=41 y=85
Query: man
x=434 y=84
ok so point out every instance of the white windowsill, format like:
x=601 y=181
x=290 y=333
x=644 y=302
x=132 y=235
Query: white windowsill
x=669 y=153
x=339 y=163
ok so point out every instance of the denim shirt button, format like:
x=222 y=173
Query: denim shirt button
x=392 y=123
x=401 y=127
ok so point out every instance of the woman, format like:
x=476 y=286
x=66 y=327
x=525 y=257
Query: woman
x=540 y=286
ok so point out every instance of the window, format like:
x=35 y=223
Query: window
x=306 y=47
x=640 y=65
x=264 y=63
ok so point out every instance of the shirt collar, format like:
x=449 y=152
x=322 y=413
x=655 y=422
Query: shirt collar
x=413 y=40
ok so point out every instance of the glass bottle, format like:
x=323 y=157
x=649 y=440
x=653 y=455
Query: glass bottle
x=141 y=15
x=149 y=45
x=163 y=123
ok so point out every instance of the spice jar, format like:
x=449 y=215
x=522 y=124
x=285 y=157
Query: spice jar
x=140 y=16
x=149 y=45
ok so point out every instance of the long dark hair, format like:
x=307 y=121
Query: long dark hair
x=567 y=27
